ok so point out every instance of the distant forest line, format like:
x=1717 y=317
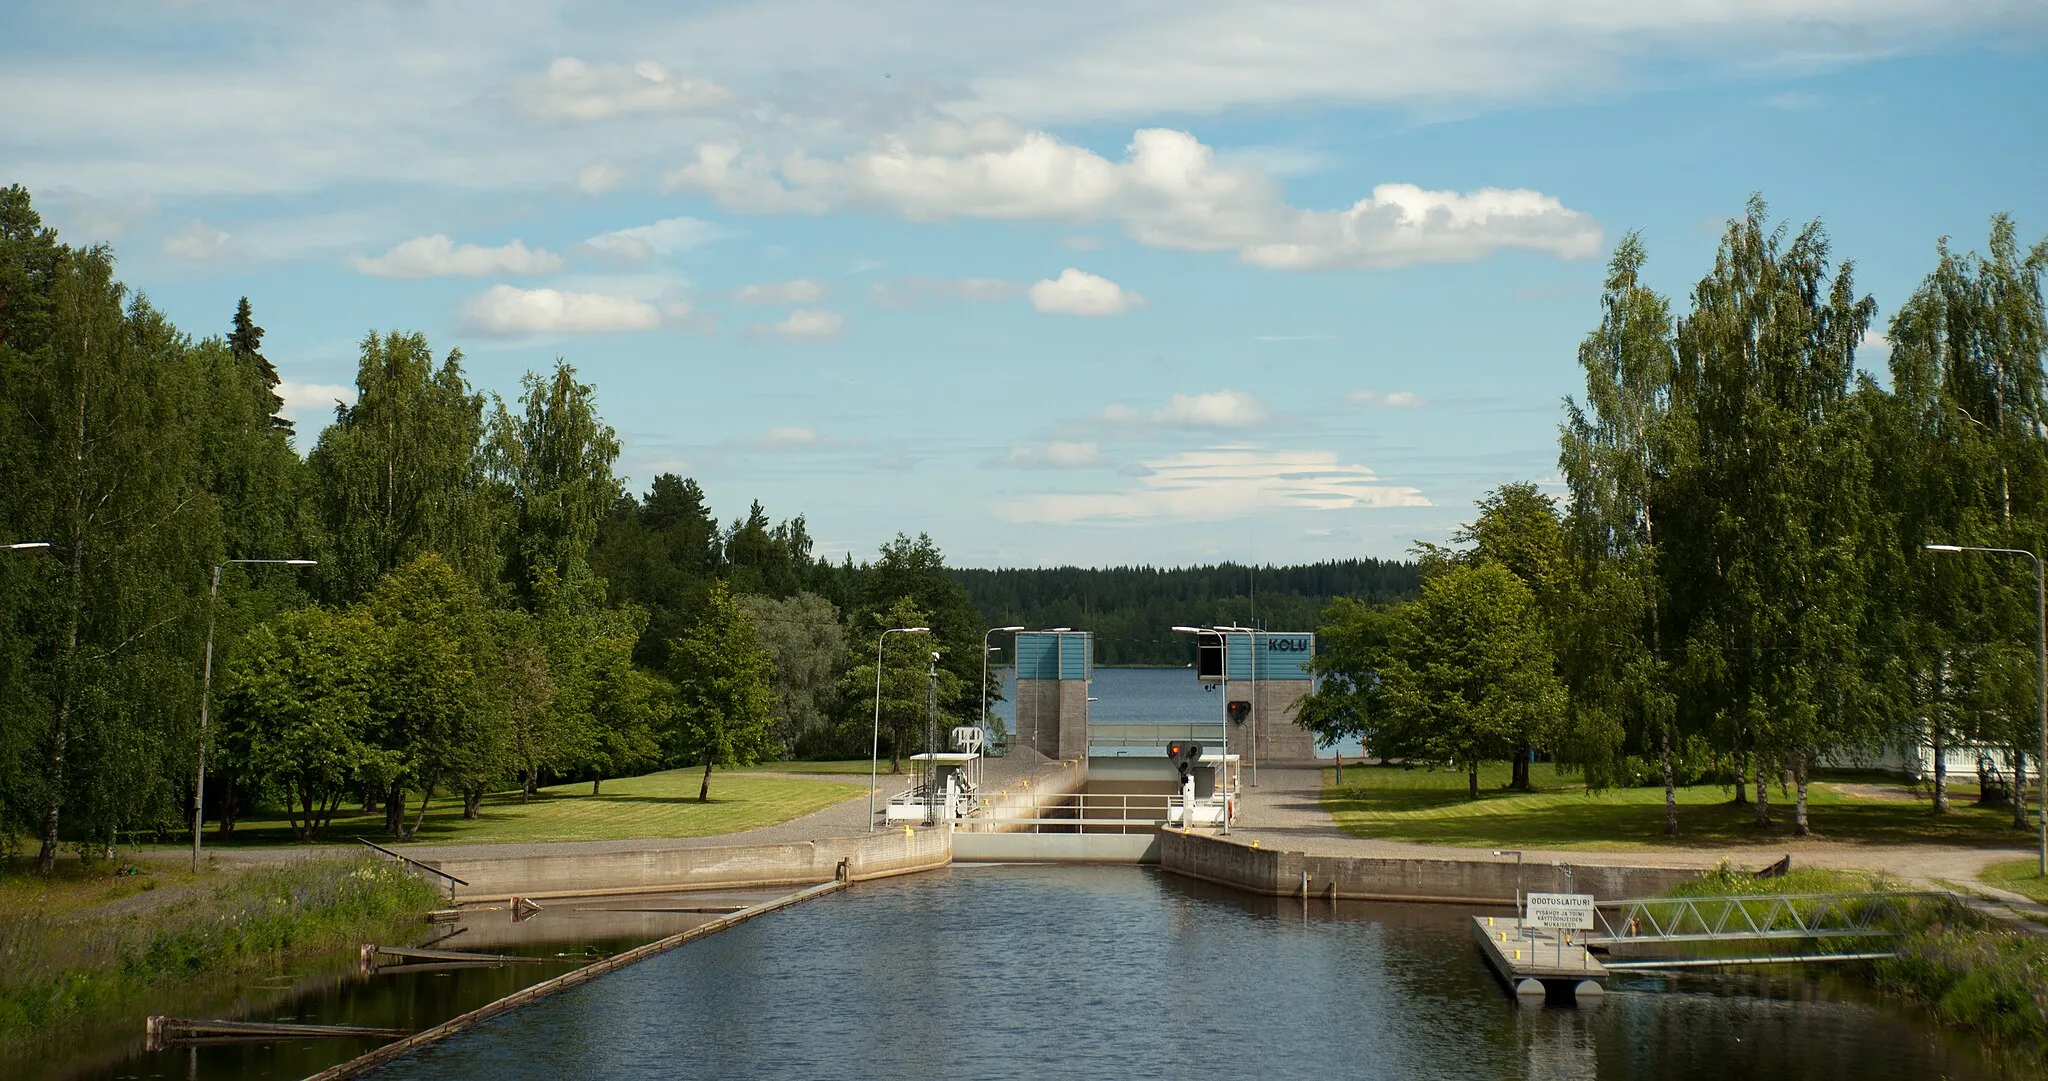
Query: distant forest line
x=1132 y=610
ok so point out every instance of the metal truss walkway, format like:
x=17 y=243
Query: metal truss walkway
x=1739 y=919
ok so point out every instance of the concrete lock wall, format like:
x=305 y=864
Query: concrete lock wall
x=1276 y=872
x=876 y=855
x=1052 y=716
x=1280 y=740
x=1028 y=798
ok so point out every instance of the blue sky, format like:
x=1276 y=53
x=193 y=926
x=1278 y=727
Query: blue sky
x=1056 y=283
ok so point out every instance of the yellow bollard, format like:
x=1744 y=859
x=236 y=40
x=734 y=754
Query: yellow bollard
x=908 y=832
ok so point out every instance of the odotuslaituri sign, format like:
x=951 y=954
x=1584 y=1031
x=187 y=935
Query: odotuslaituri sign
x=1563 y=911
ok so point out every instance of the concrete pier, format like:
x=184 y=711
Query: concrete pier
x=1537 y=961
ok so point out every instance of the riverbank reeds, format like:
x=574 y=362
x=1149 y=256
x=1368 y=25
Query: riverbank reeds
x=1963 y=971
x=61 y=972
x=1950 y=961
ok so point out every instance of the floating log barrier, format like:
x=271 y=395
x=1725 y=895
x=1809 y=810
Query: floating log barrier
x=372 y=951
x=160 y=1031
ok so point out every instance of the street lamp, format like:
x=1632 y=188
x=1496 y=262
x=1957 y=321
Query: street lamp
x=985 y=649
x=1251 y=648
x=206 y=693
x=27 y=546
x=2041 y=647
x=875 y=753
x=1222 y=751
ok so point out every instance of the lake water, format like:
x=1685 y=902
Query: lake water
x=1132 y=695
x=1047 y=972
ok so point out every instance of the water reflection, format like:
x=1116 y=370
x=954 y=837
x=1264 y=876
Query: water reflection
x=570 y=933
x=1036 y=972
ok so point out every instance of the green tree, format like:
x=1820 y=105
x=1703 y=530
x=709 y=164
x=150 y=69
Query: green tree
x=556 y=460
x=1962 y=463
x=295 y=711
x=1469 y=671
x=808 y=643
x=906 y=675
x=1613 y=451
x=434 y=700
x=1517 y=528
x=1349 y=699
x=245 y=342
x=1764 y=568
x=629 y=705
x=400 y=473
x=99 y=440
x=724 y=692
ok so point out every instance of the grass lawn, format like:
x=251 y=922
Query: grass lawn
x=850 y=767
x=76 y=885
x=656 y=805
x=1430 y=807
x=2019 y=876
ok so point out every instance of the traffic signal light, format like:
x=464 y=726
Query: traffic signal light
x=1239 y=710
x=1184 y=754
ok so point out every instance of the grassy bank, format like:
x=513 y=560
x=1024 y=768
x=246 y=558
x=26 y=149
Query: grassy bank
x=655 y=805
x=2022 y=876
x=1951 y=962
x=1430 y=807
x=62 y=972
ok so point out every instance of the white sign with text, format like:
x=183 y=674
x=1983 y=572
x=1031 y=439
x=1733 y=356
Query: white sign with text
x=1562 y=911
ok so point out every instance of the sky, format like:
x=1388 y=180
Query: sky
x=1056 y=283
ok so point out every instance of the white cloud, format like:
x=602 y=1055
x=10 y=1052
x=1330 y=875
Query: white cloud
x=1077 y=292
x=1399 y=399
x=373 y=95
x=304 y=401
x=198 y=241
x=911 y=291
x=1055 y=455
x=665 y=237
x=572 y=89
x=439 y=257
x=1082 y=243
x=1219 y=483
x=1217 y=409
x=1168 y=191
x=505 y=310
x=1876 y=342
x=803 y=324
x=600 y=176
x=789 y=437
x=797 y=291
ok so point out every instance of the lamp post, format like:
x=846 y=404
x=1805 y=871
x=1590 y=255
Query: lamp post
x=206 y=693
x=1251 y=648
x=875 y=752
x=985 y=649
x=28 y=546
x=2041 y=649
x=1223 y=751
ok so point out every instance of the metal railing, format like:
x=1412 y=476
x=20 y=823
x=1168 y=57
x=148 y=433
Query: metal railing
x=1083 y=812
x=1730 y=919
x=416 y=865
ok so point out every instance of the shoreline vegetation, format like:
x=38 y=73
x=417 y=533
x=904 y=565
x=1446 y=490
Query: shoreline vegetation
x=63 y=972
x=1953 y=963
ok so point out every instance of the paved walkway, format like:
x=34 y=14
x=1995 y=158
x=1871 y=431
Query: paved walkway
x=1286 y=811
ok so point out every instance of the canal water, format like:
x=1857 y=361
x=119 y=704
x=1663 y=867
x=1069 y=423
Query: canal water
x=564 y=934
x=1060 y=972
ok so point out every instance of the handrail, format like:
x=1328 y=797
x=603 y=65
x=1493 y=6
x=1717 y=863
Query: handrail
x=1849 y=914
x=408 y=859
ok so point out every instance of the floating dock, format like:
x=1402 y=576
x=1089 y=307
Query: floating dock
x=1537 y=960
